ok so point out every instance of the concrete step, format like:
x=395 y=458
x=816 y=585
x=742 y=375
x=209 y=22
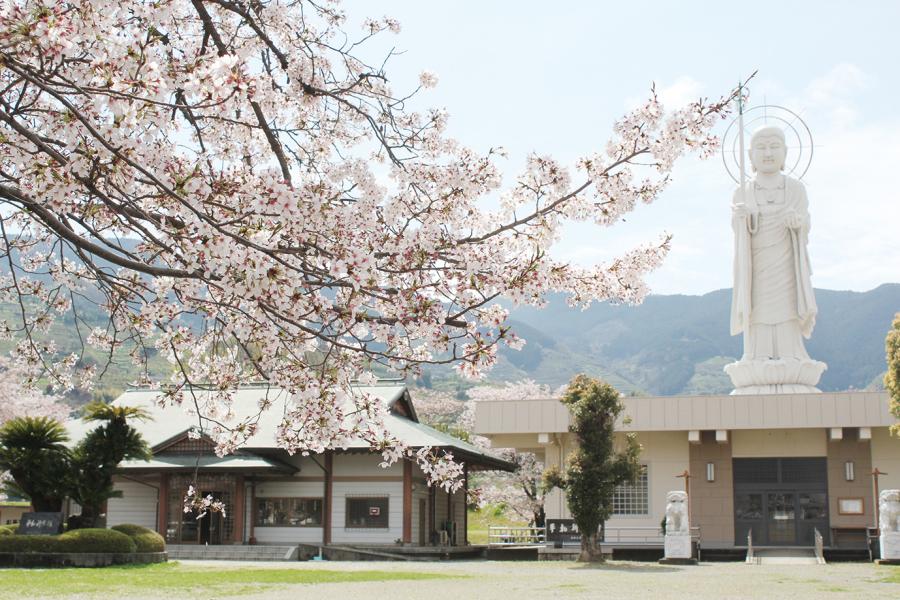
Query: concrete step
x=786 y=556
x=262 y=553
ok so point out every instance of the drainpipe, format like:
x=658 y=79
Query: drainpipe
x=561 y=464
x=326 y=498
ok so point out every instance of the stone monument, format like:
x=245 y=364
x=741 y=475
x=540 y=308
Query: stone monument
x=772 y=301
x=889 y=525
x=678 y=528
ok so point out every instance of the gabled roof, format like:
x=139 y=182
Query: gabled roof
x=187 y=463
x=168 y=424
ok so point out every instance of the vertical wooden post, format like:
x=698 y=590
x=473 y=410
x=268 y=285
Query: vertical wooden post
x=465 y=505
x=252 y=539
x=875 y=511
x=407 y=501
x=432 y=515
x=687 y=490
x=327 y=500
x=239 y=509
x=162 y=506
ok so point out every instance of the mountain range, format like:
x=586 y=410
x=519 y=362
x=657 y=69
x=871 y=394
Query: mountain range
x=678 y=344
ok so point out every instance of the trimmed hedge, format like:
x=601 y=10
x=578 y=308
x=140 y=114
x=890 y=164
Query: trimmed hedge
x=77 y=541
x=8 y=529
x=145 y=539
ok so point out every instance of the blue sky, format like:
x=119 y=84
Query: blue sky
x=552 y=77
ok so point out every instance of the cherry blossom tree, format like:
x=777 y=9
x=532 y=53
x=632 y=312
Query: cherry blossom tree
x=239 y=186
x=19 y=399
x=521 y=492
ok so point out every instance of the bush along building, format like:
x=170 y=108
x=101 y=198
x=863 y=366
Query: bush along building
x=272 y=498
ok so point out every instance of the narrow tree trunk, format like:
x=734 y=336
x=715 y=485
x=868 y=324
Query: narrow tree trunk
x=590 y=550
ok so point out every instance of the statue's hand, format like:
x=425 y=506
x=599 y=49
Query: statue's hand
x=792 y=220
x=740 y=211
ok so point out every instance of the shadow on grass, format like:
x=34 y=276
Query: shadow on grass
x=629 y=567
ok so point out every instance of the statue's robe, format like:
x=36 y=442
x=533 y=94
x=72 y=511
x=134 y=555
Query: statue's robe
x=772 y=302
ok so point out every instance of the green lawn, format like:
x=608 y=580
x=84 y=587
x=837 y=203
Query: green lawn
x=480 y=520
x=893 y=574
x=176 y=579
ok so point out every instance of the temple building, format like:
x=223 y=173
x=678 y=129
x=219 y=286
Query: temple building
x=271 y=497
x=777 y=465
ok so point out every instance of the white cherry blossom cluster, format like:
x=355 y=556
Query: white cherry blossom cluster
x=237 y=185
x=201 y=505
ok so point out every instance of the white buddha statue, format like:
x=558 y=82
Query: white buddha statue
x=772 y=301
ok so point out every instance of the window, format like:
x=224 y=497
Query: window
x=367 y=512
x=632 y=498
x=288 y=512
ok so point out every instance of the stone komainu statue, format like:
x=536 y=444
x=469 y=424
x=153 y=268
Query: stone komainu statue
x=889 y=511
x=677 y=514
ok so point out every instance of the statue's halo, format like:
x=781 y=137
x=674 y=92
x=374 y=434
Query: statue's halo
x=796 y=133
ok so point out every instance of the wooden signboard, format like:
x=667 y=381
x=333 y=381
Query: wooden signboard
x=40 y=523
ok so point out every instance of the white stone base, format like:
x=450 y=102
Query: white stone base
x=890 y=545
x=775 y=376
x=678 y=546
x=779 y=388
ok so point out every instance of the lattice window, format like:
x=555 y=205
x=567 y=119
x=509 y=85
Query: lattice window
x=366 y=512
x=632 y=498
x=189 y=446
x=289 y=512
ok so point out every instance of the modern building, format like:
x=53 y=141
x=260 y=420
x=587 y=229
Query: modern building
x=779 y=465
x=341 y=497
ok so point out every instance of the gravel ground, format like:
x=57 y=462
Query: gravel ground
x=528 y=580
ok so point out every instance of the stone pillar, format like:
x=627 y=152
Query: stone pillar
x=889 y=525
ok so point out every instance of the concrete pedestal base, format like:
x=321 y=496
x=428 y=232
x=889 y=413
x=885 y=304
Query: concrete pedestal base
x=775 y=376
x=678 y=547
x=677 y=561
x=890 y=546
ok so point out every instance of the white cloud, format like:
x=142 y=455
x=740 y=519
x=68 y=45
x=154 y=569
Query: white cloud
x=854 y=201
x=674 y=95
x=680 y=92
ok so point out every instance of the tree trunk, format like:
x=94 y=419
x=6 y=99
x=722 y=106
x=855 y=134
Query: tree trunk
x=590 y=550
x=46 y=504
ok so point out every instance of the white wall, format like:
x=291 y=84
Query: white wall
x=666 y=454
x=363 y=465
x=886 y=457
x=763 y=443
x=341 y=534
x=136 y=506
x=287 y=535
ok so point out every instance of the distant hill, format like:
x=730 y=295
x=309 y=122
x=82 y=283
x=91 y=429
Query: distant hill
x=679 y=344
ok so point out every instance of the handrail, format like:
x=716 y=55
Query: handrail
x=820 y=547
x=515 y=536
x=751 y=557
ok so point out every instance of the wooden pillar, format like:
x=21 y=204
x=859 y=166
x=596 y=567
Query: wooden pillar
x=239 y=509
x=432 y=515
x=465 y=527
x=327 y=500
x=162 y=506
x=407 y=501
x=252 y=539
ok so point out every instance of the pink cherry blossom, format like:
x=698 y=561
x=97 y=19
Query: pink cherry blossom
x=238 y=188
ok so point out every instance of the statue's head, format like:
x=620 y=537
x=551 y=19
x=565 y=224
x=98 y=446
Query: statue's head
x=768 y=150
x=676 y=497
x=889 y=497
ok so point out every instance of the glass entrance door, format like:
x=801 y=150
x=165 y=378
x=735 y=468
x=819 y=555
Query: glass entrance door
x=812 y=514
x=781 y=521
x=782 y=501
